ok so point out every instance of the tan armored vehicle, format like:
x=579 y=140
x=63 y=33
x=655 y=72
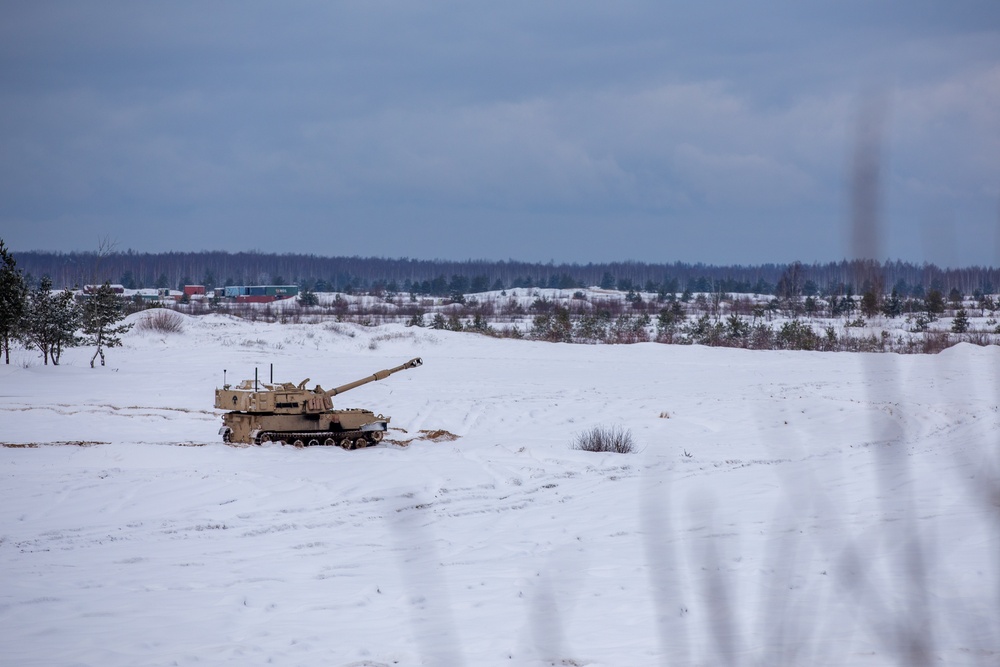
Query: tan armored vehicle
x=290 y=413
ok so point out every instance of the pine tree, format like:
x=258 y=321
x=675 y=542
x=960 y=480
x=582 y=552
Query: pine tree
x=810 y=305
x=870 y=303
x=893 y=306
x=102 y=312
x=51 y=321
x=308 y=298
x=934 y=304
x=13 y=300
x=961 y=322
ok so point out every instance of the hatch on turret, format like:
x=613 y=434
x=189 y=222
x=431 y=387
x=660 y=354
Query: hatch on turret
x=232 y=399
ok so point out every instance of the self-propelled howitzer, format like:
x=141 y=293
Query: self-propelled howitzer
x=266 y=412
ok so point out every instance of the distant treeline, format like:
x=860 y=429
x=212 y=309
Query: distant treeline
x=346 y=274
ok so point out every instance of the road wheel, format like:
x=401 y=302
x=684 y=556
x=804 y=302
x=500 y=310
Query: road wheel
x=329 y=442
x=376 y=436
x=360 y=443
x=298 y=443
x=314 y=443
x=346 y=443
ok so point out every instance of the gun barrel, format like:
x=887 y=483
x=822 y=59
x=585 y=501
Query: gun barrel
x=380 y=375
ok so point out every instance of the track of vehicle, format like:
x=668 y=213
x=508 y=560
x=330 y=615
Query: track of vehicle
x=345 y=439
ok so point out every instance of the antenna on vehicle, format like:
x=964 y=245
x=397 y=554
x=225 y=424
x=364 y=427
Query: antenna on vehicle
x=255 y=378
x=272 y=373
x=224 y=385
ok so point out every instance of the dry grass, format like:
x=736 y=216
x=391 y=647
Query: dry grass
x=376 y=341
x=161 y=320
x=613 y=439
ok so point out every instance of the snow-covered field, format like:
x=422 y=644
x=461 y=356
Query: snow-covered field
x=784 y=508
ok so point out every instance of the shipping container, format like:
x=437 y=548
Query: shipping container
x=191 y=290
x=256 y=290
x=282 y=291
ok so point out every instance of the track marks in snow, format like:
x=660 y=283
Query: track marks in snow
x=34 y=445
x=106 y=409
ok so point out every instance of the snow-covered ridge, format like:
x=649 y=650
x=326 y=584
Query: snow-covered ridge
x=594 y=315
x=774 y=509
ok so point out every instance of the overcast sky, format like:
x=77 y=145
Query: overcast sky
x=719 y=132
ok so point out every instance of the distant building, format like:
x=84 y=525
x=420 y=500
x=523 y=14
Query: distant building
x=150 y=295
x=260 y=293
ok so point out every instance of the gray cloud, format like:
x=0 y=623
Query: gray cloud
x=569 y=131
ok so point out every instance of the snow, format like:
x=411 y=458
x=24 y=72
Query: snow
x=795 y=507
